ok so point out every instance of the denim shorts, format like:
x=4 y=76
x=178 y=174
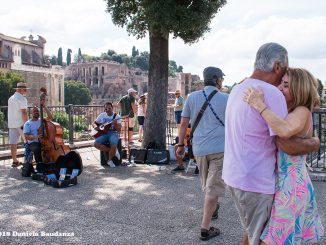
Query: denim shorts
x=177 y=116
x=110 y=137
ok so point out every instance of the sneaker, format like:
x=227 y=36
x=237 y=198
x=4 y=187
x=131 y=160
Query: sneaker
x=196 y=171
x=208 y=234
x=117 y=154
x=215 y=214
x=111 y=164
x=178 y=168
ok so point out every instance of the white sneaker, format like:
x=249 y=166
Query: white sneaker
x=111 y=164
x=117 y=154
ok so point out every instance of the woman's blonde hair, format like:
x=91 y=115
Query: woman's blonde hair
x=303 y=87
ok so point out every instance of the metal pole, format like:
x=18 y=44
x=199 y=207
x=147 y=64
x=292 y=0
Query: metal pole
x=71 y=124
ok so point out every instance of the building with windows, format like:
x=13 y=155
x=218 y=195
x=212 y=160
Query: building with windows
x=110 y=80
x=27 y=58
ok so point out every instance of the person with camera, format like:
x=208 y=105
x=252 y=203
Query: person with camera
x=206 y=111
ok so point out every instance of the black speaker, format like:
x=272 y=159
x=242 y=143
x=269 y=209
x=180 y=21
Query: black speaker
x=138 y=154
x=158 y=156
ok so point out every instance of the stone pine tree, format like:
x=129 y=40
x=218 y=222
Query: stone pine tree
x=133 y=51
x=68 y=59
x=59 y=57
x=186 y=19
x=79 y=56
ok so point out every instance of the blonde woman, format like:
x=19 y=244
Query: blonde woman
x=294 y=217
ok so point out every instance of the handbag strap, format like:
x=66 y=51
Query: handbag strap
x=211 y=107
x=200 y=113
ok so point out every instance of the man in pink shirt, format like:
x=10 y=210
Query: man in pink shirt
x=250 y=150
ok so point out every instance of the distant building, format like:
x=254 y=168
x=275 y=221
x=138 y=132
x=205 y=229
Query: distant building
x=27 y=58
x=109 y=80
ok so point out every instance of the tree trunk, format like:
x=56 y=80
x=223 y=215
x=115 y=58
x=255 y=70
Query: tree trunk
x=155 y=123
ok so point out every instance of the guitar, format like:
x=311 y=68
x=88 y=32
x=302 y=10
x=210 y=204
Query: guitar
x=100 y=130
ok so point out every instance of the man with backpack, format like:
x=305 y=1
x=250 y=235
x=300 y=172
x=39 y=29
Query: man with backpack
x=206 y=111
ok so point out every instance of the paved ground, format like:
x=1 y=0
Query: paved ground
x=123 y=205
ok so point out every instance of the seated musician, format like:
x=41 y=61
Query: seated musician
x=110 y=133
x=32 y=134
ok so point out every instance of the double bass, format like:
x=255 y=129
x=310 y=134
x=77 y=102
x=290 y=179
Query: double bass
x=51 y=136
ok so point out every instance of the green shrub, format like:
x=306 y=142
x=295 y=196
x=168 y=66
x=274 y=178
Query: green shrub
x=80 y=123
x=2 y=119
x=61 y=117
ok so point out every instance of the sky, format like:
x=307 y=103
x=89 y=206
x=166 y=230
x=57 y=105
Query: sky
x=237 y=31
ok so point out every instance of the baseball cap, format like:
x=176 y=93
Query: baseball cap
x=212 y=73
x=131 y=90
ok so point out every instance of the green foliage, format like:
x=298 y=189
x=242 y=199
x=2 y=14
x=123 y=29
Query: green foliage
x=76 y=93
x=172 y=68
x=61 y=117
x=68 y=59
x=180 y=69
x=2 y=119
x=133 y=51
x=60 y=56
x=79 y=56
x=54 y=60
x=80 y=123
x=111 y=52
x=186 y=19
x=142 y=61
x=8 y=82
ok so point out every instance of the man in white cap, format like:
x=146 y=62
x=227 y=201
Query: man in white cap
x=128 y=111
x=17 y=116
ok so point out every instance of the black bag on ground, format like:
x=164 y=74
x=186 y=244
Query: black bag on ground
x=139 y=155
x=158 y=156
x=27 y=169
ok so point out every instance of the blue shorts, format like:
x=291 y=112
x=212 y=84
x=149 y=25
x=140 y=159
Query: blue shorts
x=110 y=137
x=177 y=116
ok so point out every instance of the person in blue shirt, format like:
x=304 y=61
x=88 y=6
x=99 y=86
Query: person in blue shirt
x=31 y=134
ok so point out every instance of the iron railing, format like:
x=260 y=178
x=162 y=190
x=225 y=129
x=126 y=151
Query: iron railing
x=317 y=160
x=77 y=123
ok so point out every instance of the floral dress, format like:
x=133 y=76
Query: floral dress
x=294 y=216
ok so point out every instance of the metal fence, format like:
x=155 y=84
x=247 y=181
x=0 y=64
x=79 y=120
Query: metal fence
x=77 y=123
x=317 y=160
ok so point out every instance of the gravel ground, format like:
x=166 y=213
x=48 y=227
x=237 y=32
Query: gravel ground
x=122 y=205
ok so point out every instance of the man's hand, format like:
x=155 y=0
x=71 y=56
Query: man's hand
x=296 y=146
x=180 y=151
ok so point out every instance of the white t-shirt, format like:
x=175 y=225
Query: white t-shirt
x=104 y=118
x=16 y=103
x=140 y=110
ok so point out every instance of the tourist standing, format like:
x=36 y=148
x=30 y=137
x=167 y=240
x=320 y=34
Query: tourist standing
x=128 y=111
x=141 y=115
x=17 y=116
x=178 y=106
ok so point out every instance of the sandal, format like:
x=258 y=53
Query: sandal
x=215 y=214
x=208 y=234
x=16 y=164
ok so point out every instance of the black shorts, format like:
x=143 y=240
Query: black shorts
x=141 y=120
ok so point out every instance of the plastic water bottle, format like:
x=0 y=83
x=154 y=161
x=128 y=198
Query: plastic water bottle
x=132 y=161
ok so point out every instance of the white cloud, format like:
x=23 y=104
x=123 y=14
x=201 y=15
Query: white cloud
x=236 y=32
